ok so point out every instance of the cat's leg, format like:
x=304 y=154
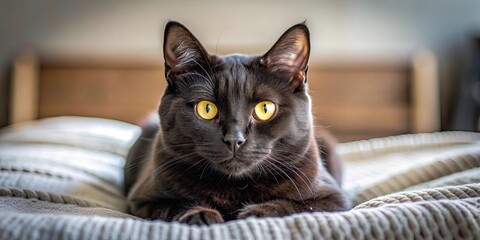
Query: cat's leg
x=176 y=210
x=331 y=202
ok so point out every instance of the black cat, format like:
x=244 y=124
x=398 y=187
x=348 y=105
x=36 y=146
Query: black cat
x=236 y=137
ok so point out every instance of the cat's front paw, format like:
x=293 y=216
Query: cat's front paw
x=200 y=216
x=268 y=209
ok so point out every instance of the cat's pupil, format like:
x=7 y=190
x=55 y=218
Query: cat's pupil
x=207 y=108
x=265 y=108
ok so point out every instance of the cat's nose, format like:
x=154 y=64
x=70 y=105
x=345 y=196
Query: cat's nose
x=234 y=142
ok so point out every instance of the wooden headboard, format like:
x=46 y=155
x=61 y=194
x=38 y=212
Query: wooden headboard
x=356 y=100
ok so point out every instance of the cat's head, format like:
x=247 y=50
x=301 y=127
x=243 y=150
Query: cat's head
x=236 y=113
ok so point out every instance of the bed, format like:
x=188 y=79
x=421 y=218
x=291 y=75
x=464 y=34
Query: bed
x=62 y=176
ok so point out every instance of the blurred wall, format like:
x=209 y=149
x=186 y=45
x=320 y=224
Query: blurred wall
x=341 y=30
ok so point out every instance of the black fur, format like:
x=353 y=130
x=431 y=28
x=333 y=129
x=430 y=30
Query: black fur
x=194 y=173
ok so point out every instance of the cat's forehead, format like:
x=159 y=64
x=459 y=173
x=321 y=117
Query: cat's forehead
x=236 y=58
x=235 y=70
x=240 y=77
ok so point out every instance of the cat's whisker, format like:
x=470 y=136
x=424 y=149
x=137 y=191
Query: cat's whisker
x=218 y=39
x=184 y=146
x=160 y=170
x=146 y=139
x=195 y=164
x=157 y=151
x=289 y=178
x=276 y=172
x=296 y=170
x=321 y=150
x=287 y=160
x=165 y=166
x=262 y=168
x=290 y=156
x=205 y=167
x=129 y=166
x=251 y=177
x=266 y=168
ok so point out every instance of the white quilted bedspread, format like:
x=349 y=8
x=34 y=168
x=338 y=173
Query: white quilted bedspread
x=63 y=178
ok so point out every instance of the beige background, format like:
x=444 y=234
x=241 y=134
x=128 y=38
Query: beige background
x=345 y=30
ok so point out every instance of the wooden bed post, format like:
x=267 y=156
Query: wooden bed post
x=24 y=89
x=425 y=93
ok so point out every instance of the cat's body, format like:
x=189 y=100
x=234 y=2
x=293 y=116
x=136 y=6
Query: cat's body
x=236 y=137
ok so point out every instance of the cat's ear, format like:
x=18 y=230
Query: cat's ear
x=182 y=51
x=289 y=55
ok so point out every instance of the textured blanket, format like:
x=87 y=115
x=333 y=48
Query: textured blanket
x=63 y=178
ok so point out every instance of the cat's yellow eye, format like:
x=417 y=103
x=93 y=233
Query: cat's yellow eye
x=264 y=110
x=206 y=110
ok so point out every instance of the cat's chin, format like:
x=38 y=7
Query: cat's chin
x=234 y=167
